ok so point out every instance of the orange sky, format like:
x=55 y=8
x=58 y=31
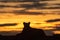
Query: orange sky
x=34 y=19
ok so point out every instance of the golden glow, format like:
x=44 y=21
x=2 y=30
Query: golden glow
x=37 y=21
x=19 y=19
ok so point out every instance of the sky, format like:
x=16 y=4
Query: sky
x=38 y=13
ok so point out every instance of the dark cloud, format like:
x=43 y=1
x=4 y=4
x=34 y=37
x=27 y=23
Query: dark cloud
x=53 y=20
x=4 y=6
x=19 y=0
x=57 y=4
x=23 y=0
x=27 y=6
x=50 y=8
x=46 y=0
x=54 y=6
x=1 y=6
x=26 y=13
x=34 y=5
x=8 y=24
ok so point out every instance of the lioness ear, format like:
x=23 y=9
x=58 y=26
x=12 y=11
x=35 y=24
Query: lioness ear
x=28 y=22
x=23 y=22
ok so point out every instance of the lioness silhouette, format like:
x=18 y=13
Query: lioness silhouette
x=29 y=33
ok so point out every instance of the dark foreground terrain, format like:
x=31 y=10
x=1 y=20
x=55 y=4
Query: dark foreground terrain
x=55 y=37
x=29 y=33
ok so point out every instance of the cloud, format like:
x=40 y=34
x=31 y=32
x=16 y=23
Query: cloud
x=4 y=6
x=50 y=8
x=34 y=5
x=17 y=12
x=8 y=24
x=53 y=20
x=46 y=0
x=23 y=0
x=18 y=0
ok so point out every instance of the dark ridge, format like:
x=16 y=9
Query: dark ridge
x=9 y=24
x=53 y=20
